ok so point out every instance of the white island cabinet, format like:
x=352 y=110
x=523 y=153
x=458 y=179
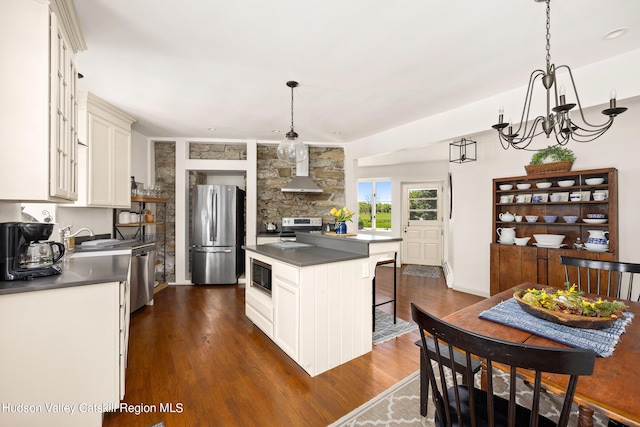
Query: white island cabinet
x=319 y=315
x=63 y=354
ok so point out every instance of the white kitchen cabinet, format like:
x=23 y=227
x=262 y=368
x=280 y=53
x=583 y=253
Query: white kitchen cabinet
x=319 y=315
x=38 y=76
x=75 y=354
x=105 y=154
x=286 y=303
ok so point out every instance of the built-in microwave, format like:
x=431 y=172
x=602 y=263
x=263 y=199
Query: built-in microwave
x=261 y=275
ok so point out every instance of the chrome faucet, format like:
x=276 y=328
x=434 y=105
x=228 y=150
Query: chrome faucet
x=68 y=239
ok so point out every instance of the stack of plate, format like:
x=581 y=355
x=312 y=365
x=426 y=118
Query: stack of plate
x=596 y=247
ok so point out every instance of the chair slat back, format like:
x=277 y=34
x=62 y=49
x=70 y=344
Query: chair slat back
x=475 y=408
x=607 y=278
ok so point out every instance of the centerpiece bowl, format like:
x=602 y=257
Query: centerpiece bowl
x=573 y=320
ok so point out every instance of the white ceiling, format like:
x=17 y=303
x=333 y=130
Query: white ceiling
x=364 y=66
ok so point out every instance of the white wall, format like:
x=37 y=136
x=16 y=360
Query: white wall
x=140 y=155
x=470 y=230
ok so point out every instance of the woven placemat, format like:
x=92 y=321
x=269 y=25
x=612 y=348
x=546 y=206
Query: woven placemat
x=602 y=341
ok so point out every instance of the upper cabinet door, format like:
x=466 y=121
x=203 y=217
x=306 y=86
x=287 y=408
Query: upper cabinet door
x=105 y=162
x=63 y=168
x=38 y=105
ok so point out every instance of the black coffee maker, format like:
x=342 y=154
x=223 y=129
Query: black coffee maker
x=23 y=255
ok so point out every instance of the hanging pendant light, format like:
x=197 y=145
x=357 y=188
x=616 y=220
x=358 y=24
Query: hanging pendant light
x=291 y=148
x=557 y=122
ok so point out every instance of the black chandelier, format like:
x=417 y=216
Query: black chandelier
x=557 y=120
x=290 y=148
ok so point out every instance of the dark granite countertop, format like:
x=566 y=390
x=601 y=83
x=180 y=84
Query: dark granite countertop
x=304 y=257
x=75 y=272
x=115 y=246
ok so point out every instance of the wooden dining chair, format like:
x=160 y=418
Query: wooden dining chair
x=457 y=404
x=608 y=278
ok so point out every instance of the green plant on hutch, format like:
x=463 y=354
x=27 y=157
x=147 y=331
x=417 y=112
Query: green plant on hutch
x=553 y=154
x=551 y=159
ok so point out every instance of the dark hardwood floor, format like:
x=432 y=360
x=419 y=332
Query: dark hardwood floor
x=195 y=351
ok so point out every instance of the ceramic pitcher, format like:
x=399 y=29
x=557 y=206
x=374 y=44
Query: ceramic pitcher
x=507 y=234
x=598 y=237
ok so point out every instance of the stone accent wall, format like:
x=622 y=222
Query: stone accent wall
x=218 y=151
x=326 y=168
x=165 y=162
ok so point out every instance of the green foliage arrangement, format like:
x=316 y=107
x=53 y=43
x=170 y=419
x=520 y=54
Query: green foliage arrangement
x=555 y=153
x=572 y=301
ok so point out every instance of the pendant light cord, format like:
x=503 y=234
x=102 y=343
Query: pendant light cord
x=548 y=47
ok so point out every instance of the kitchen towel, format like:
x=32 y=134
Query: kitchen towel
x=602 y=341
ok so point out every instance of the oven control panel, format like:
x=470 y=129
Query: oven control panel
x=302 y=222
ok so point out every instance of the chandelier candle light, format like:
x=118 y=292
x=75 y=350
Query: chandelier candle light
x=290 y=148
x=557 y=119
x=341 y=215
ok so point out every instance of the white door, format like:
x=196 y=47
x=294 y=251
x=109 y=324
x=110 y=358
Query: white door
x=422 y=212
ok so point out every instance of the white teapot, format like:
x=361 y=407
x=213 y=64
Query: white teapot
x=506 y=216
x=507 y=234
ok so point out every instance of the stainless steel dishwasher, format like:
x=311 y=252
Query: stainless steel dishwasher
x=143 y=272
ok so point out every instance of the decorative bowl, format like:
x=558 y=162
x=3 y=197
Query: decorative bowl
x=573 y=320
x=550 y=218
x=506 y=187
x=523 y=186
x=554 y=197
x=566 y=183
x=594 y=181
x=570 y=219
x=543 y=184
x=521 y=241
x=596 y=215
x=531 y=218
x=549 y=239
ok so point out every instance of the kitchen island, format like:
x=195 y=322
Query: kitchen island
x=64 y=341
x=317 y=305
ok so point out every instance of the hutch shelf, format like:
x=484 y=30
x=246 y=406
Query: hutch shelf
x=511 y=264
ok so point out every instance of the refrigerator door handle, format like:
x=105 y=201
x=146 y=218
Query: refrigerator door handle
x=214 y=216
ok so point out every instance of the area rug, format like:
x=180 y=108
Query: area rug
x=422 y=270
x=386 y=330
x=400 y=405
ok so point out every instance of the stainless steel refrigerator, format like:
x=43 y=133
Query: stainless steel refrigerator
x=218 y=234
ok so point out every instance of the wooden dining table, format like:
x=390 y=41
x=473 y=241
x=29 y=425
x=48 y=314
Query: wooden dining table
x=614 y=387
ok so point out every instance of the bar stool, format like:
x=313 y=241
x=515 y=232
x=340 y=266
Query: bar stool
x=373 y=282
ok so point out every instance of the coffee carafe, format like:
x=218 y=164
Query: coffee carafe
x=24 y=255
x=39 y=254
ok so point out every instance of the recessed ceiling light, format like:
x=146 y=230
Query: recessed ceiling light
x=212 y=129
x=275 y=130
x=614 y=34
x=336 y=132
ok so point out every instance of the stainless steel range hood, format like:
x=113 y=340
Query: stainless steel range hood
x=301 y=183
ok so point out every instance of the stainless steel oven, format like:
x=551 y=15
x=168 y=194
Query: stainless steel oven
x=261 y=275
x=290 y=226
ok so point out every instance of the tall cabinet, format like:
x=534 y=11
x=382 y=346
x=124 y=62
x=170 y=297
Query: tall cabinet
x=511 y=264
x=38 y=105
